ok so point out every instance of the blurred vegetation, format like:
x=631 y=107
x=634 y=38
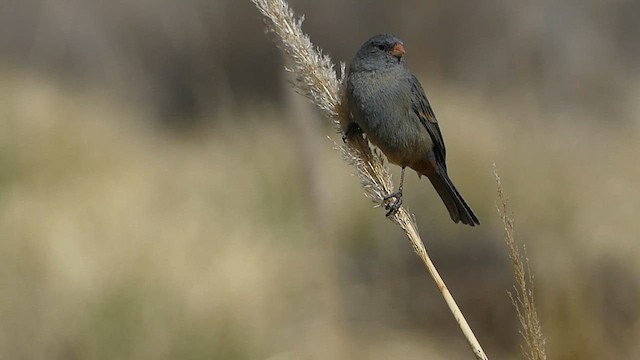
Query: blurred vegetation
x=164 y=195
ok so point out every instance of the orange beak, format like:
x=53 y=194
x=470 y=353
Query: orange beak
x=398 y=50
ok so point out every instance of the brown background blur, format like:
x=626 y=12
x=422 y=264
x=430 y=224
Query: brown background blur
x=165 y=195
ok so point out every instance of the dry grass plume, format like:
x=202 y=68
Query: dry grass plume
x=315 y=78
x=524 y=302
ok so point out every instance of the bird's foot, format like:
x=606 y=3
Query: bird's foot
x=392 y=206
x=352 y=129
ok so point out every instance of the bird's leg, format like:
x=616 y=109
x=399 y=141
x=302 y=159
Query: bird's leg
x=352 y=129
x=392 y=207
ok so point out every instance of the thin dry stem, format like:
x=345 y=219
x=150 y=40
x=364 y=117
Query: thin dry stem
x=523 y=301
x=315 y=78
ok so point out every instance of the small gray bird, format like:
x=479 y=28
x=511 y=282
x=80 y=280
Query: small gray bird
x=388 y=104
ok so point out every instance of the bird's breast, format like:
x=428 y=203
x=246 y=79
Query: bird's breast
x=381 y=105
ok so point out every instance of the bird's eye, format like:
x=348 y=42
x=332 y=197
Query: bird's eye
x=381 y=47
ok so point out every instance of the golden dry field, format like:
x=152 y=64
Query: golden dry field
x=130 y=231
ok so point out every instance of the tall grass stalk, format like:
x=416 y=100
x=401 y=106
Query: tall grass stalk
x=524 y=302
x=315 y=78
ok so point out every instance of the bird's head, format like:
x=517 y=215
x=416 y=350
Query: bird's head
x=379 y=52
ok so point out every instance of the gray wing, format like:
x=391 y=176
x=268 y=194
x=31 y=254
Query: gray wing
x=421 y=107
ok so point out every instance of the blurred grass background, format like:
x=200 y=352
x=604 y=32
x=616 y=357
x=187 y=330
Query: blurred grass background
x=164 y=194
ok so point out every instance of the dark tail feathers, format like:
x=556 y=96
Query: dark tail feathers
x=458 y=208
